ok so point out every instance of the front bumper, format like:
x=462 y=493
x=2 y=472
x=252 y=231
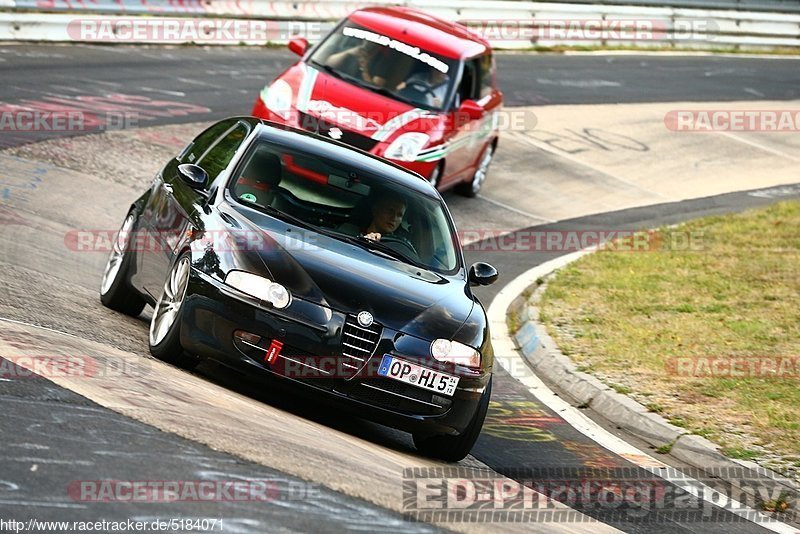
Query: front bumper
x=311 y=357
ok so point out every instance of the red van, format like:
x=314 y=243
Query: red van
x=401 y=84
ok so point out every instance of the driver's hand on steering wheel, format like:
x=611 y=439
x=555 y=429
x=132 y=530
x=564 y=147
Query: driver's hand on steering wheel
x=373 y=236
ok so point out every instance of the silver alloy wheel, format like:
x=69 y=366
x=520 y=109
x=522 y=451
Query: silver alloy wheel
x=483 y=168
x=118 y=250
x=435 y=176
x=169 y=305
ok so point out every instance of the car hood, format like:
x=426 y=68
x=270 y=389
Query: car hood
x=349 y=279
x=351 y=107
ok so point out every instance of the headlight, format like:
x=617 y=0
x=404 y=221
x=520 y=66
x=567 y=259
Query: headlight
x=259 y=287
x=407 y=146
x=279 y=99
x=452 y=351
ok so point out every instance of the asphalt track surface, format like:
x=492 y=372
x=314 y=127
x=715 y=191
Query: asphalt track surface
x=52 y=428
x=225 y=81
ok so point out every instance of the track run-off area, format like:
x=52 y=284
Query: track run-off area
x=595 y=148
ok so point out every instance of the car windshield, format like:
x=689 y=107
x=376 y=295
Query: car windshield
x=330 y=197
x=387 y=66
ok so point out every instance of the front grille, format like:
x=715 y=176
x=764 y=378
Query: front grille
x=358 y=344
x=313 y=124
x=401 y=397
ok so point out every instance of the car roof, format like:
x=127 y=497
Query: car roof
x=336 y=150
x=417 y=28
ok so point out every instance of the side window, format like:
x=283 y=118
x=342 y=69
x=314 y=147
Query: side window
x=486 y=64
x=201 y=143
x=468 y=88
x=216 y=158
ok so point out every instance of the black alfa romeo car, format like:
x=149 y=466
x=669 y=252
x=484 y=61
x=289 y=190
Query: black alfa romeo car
x=283 y=253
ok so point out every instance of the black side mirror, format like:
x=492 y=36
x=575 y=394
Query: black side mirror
x=193 y=175
x=482 y=274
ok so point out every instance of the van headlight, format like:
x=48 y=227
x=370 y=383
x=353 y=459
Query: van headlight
x=279 y=99
x=259 y=287
x=407 y=146
x=445 y=350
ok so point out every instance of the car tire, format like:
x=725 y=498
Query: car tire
x=473 y=187
x=456 y=448
x=164 y=334
x=115 y=289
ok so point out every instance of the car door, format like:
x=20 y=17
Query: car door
x=470 y=135
x=174 y=206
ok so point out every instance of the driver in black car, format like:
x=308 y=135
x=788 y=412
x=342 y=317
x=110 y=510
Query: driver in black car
x=387 y=214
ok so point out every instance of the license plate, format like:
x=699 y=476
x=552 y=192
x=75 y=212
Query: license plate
x=416 y=375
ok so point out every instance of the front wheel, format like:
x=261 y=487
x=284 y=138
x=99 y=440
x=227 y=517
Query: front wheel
x=436 y=176
x=115 y=290
x=456 y=448
x=165 y=326
x=473 y=187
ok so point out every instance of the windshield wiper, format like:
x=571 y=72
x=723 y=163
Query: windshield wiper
x=391 y=94
x=332 y=71
x=377 y=246
x=283 y=215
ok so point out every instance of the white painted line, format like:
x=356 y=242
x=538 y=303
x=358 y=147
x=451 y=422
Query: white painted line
x=582 y=84
x=198 y=82
x=760 y=146
x=7 y=320
x=59 y=87
x=42 y=503
x=752 y=91
x=162 y=91
x=669 y=53
x=101 y=82
x=515 y=210
x=547 y=148
x=51 y=461
x=503 y=345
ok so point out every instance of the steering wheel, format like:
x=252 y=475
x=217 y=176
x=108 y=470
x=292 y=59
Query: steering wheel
x=399 y=240
x=422 y=87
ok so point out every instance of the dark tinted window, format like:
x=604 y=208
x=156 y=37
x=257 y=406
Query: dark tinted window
x=330 y=197
x=217 y=157
x=202 y=142
x=468 y=88
x=486 y=67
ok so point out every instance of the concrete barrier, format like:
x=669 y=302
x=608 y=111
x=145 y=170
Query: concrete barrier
x=506 y=24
